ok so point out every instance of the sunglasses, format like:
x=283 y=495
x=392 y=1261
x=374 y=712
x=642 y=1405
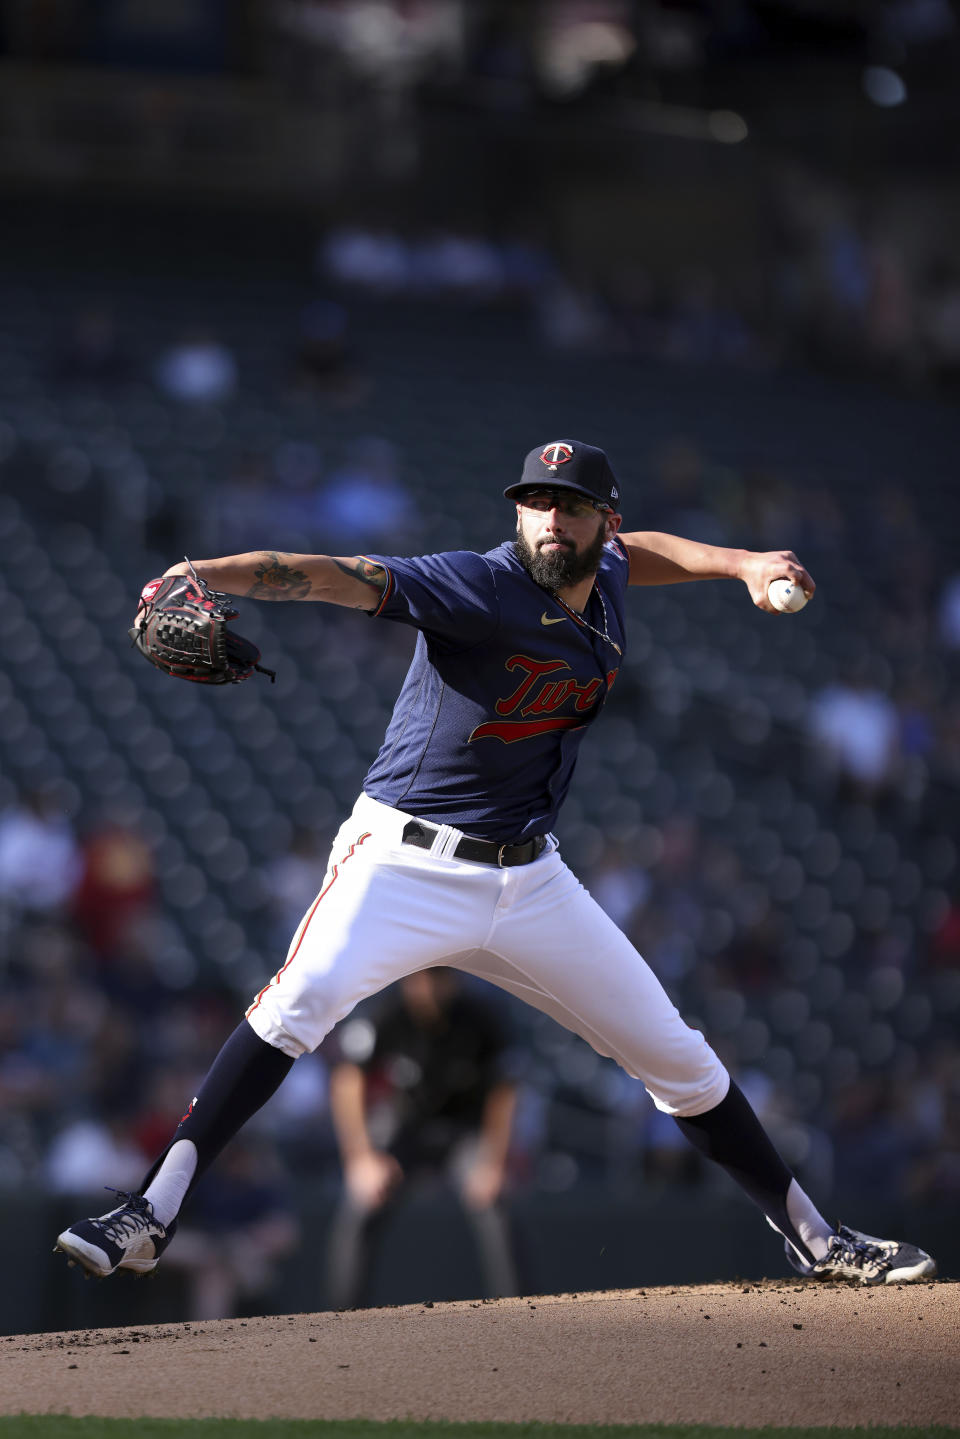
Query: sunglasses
x=568 y=502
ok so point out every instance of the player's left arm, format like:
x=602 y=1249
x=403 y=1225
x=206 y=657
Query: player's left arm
x=660 y=559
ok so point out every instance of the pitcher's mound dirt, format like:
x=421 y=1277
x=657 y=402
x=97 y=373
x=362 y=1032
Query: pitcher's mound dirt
x=773 y=1353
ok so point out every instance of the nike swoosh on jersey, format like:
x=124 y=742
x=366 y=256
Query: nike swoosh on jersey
x=546 y=620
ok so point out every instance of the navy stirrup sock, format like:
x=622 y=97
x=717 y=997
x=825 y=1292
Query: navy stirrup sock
x=244 y=1075
x=732 y=1136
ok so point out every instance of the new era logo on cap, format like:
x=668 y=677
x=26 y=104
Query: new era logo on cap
x=568 y=465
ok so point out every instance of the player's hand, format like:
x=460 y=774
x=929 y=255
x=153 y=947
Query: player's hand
x=482 y=1183
x=371 y=1178
x=759 y=568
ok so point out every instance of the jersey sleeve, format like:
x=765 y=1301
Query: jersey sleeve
x=615 y=564
x=452 y=597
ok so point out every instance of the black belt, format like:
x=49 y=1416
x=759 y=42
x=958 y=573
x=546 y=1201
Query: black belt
x=482 y=851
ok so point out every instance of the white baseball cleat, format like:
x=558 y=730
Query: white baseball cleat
x=129 y=1237
x=853 y=1255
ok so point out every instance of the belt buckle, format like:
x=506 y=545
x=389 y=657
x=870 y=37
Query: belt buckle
x=500 y=853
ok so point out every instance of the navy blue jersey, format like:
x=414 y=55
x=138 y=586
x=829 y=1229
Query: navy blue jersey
x=503 y=684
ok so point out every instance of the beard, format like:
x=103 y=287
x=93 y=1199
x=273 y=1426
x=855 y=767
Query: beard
x=558 y=569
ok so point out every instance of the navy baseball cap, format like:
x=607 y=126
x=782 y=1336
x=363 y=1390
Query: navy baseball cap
x=568 y=465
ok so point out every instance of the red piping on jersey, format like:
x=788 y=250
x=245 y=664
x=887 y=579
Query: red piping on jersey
x=313 y=909
x=388 y=589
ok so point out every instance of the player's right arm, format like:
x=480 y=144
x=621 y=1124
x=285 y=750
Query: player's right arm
x=354 y=581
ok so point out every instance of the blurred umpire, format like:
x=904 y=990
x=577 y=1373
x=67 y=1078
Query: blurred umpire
x=430 y=1103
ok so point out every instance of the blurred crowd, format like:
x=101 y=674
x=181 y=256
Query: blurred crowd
x=835 y=284
x=836 y=287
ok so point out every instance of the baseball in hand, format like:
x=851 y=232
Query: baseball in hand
x=785 y=596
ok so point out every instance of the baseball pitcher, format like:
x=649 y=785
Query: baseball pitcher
x=449 y=856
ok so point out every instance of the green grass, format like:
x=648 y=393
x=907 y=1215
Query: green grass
x=62 y=1426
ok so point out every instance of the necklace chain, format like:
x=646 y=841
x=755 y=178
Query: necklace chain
x=605 y=635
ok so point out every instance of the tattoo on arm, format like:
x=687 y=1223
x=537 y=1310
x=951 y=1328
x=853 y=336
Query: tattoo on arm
x=277 y=581
x=368 y=571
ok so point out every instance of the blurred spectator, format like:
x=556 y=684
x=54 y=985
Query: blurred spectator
x=22 y=1092
x=429 y=1099
x=916 y=707
x=326 y=362
x=39 y=857
x=117 y=887
x=876 y=1144
x=198 y=369
x=47 y=1074
x=293 y=881
x=365 y=498
x=845 y=267
x=945 y=941
x=241 y=508
x=569 y=316
x=93 y=348
x=948 y=739
x=890 y=319
x=297 y=1119
x=916 y=22
x=295 y=520
x=88 y=1148
x=527 y=267
x=934 y=1108
x=459 y=264
x=855 y=727
x=138 y=993
x=948 y=616
x=372 y=260
x=689 y=494
x=941 y=322
x=703 y=324
x=241 y=1225
x=620 y=885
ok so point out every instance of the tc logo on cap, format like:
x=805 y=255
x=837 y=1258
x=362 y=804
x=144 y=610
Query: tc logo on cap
x=554 y=455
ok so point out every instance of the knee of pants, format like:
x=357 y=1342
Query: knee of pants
x=291 y=1029
x=695 y=1085
x=297 y=1010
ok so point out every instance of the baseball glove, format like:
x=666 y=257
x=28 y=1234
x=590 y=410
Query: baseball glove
x=182 y=628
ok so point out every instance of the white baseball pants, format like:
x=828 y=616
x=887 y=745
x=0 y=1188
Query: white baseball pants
x=387 y=909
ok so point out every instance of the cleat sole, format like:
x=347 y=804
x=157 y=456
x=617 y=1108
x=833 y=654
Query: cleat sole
x=75 y=1261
